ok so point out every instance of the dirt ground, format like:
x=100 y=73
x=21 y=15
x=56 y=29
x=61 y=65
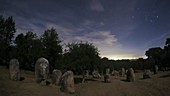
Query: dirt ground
x=158 y=85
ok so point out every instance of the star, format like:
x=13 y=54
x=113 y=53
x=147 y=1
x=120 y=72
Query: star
x=157 y=16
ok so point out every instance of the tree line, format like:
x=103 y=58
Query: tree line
x=28 y=47
x=76 y=56
x=160 y=56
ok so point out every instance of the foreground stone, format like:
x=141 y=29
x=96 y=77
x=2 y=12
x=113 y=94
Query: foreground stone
x=130 y=75
x=67 y=82
x=56 y=76
x=42 y=71
x=14 y=70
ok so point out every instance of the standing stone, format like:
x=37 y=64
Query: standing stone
x=146 y=74
x=42 y=71
x=130 y=75
x=155 y=69
x=107 y=76
x=56 y=76
x=96 y=74
x=87 y=73
x=14 y=70
x=123 y=72
x=107 y=71
x=67 y=82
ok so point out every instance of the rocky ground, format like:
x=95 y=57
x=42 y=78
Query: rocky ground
x=158 y=85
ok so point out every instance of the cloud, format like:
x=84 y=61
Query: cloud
x=108 y=45
x=157 y=41
x=64 y=33
x=87 y=23
x=74 y=22
x=99 y=37
x=96 y=6
x=105 y=41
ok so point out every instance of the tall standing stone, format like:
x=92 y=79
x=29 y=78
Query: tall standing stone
x=67 y=82
x=122 y=72
x=130 y=75
x=87 y=73
x=155 y=70
x=14 y=70
x=107 y=76
x=107 y=71
x=56 y=76
x=42 y=71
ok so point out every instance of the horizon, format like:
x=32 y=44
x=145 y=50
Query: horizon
x=119 y=29
x=126 y=58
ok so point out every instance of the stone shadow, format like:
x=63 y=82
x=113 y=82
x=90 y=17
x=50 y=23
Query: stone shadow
x=164 y=76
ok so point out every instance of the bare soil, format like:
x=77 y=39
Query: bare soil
x=158 y=85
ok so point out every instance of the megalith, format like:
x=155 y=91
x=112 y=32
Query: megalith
x=56 y=76
x=14 y=69
x=130 y=75
x=42 y=71
x=67 y=82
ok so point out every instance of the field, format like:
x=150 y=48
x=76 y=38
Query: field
x=158 y=85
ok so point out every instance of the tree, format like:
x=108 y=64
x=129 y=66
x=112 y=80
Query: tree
x=156 y=54
x=167 y=52
x=52 y=47
x=29 y=48
x=167 y=43
x=20 y=49
x=2 y=48
x=81 y=56
x=7 y=31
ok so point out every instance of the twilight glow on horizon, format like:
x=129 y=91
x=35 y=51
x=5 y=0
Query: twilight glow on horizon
x=120 y=29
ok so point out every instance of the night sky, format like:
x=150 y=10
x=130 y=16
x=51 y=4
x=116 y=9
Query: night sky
x=121 y=29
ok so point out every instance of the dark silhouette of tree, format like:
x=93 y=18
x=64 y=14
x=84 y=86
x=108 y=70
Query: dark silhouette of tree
x=52 y=47
x=78 y=56
x=2 y=48
x=156 y=55
x=140 y=62
x=167 y=53
x=29 y=48
x=81 y=56
x=7 y=31
x=20 y=48
x=167 y=43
